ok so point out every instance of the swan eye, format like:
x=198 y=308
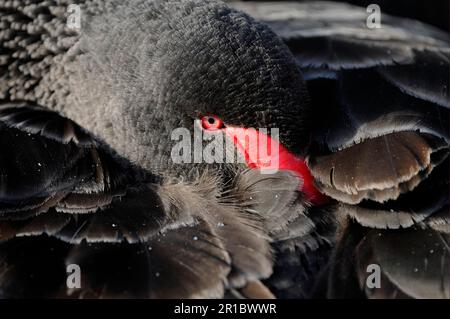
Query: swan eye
x=211 y=123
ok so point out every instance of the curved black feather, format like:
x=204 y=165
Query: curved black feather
x=33 y=166
x=162 y=239
x=368 y=106
x=187 y=262
x=335 y=35
x=33 y=267
x=380 y=136
x=414 y=263
x=37 y=120
x=419 y=206
x=380 y=169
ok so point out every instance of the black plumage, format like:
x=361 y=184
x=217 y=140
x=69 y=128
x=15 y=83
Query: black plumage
x=380 y=142
x=86 y=175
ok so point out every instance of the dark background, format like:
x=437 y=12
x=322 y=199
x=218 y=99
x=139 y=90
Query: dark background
x=434 y=12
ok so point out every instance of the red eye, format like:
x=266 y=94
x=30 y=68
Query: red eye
x=211 y=123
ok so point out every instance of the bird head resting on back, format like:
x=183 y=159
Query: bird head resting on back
x=140 y=69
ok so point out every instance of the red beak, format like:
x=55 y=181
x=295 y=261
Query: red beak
x=263 y=152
